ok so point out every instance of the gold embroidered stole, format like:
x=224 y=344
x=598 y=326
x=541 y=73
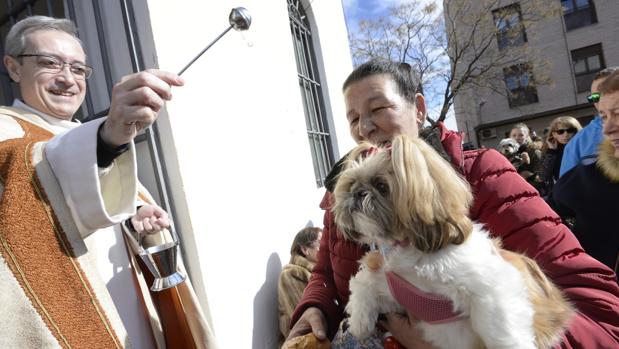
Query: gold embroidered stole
x=36 y=249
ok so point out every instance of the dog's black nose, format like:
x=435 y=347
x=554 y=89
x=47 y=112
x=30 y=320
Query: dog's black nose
x=360 y=195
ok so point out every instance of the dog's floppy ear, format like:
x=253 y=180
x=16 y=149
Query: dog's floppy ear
x=343 y=186
x=432 y=200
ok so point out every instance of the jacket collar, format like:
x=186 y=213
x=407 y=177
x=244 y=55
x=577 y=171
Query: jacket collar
x=607 y=162
x=302 y=262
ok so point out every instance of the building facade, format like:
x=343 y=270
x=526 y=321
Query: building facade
x=238 y=157
x=569 y=49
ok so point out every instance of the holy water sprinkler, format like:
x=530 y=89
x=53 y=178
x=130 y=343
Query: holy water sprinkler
x=239 y=19
x=160 y=254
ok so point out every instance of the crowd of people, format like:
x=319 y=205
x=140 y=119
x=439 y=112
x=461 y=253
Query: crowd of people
x=552 y=162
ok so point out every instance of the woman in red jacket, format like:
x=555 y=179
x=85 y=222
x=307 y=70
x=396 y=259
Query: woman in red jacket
x=381 y=101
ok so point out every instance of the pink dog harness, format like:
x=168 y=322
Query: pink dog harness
x=428 y=307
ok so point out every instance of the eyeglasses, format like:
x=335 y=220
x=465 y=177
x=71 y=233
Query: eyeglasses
x=594 y=97
x=54 y=64
x=570 y=130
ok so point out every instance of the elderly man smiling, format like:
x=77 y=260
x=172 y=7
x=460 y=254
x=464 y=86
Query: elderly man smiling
x=66 y=277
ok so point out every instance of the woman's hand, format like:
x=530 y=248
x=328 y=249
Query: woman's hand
x=404 y=329
x=526 y=159
x=150 y=219
x=551 y=143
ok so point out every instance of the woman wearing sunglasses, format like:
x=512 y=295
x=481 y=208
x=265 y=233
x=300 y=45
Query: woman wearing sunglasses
x=561 y=130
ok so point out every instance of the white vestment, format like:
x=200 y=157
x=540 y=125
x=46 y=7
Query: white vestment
x=98 y=199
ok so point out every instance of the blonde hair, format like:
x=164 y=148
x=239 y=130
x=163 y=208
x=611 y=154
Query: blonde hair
x=430 y=201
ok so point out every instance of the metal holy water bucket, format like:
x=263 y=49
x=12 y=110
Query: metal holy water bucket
x=161 y=261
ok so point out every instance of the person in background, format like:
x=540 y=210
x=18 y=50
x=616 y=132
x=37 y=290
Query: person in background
x=589 y=192
x=382 y=101
x=561 y=130
x=529 y=153
x=586 y=142
x=295 y=275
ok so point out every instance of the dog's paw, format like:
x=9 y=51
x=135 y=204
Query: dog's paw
x=361 y=329
x=361 y=324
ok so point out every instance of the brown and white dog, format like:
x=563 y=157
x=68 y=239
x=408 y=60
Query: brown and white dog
x=410 y=199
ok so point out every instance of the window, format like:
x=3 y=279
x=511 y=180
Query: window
x=311 y=91
x=578 y=13
x=587 y=61
x=510 y=30
x=520 y=85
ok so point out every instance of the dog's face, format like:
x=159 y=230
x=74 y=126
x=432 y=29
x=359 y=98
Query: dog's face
x=508 y=147
x=407 y=192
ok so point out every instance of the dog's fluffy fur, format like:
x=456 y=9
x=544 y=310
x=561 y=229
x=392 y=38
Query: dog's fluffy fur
x=409 y=193
x=509 y=148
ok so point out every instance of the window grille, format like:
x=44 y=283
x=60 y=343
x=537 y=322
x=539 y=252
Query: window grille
x=311 y=92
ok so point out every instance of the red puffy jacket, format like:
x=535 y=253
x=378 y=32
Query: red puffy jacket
x=511 y=209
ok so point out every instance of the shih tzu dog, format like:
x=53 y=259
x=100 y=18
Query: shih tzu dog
x=509 y=148
x=469 y=293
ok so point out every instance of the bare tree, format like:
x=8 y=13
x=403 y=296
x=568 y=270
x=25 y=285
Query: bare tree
x=469 y=44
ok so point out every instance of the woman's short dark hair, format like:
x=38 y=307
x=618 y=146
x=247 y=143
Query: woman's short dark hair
x=402 y=74
x=304 y=238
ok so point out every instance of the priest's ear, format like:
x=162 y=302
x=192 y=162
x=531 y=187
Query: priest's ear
x=13 y=67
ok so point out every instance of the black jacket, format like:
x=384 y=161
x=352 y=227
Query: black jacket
x=590 y=193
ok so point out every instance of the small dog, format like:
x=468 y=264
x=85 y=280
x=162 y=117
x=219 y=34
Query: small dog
x=409 y=198
x=509 y=148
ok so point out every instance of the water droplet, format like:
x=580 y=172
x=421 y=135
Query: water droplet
x=247 y=39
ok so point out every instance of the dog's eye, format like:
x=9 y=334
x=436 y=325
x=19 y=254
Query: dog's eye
x=382 y=187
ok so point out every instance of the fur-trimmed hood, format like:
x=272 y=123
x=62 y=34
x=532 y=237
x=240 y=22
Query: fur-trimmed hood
x=301 y=261
x=607 y=162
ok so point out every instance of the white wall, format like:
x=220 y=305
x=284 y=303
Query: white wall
x=237 y=149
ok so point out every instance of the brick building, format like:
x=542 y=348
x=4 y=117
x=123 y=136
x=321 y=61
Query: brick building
x=574 y=45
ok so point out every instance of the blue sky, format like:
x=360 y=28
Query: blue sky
x=355 y=10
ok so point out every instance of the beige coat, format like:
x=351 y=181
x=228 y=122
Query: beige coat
x=292 y=281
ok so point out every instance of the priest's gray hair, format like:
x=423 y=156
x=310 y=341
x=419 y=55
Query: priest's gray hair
x=16 y=38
